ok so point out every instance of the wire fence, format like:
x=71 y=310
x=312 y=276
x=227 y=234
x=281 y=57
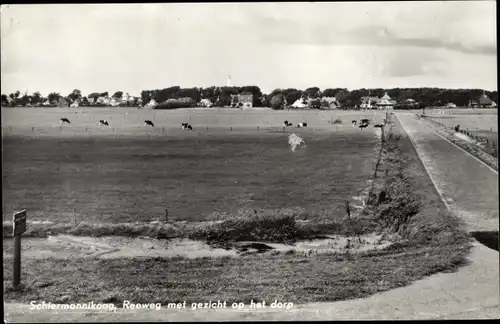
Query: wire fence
x=489 y=143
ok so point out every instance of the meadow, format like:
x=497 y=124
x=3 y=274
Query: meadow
x=477 y=123
x=128 y=172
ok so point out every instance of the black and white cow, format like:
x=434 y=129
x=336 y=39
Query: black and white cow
x=103 y=122
x=299 y=125
x=287 y=124
x=378 y=125
x=186 y=126
x=365 y=121
x=149 y=123
x=363 y=126
x=337 y=121
x=65 y=121
x=354 y=122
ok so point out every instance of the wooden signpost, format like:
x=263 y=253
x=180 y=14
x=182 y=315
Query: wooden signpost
x=19 y=227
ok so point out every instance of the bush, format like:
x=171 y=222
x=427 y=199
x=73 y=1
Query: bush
x=278 y=228
x=277 y=102
x=186 y=102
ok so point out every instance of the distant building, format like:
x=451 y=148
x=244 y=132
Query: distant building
x=103 y=100
x=483 y=102
x=62 y=103
x=114 y=102
x=244 y=101
x=299 y=103
x=75 y=103
x=151 y=104
x=385 y=102
x=329 y=103
x=368 y=102
x=451 y=105
x=206 y=103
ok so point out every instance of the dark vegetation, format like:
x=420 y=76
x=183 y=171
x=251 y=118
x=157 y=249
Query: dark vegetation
x=277 y=99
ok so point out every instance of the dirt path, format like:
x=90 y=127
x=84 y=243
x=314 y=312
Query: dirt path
x=69 y=247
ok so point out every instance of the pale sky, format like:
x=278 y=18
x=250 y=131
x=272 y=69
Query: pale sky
x=134 y=47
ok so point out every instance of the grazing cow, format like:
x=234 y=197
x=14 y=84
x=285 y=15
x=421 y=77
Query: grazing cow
x=354 y=123
x=363 y=126
x=338 y=121
x=365 y=121
x=301 y=125
x=103 y=122
x=287 y=124
x=378 y=125
x=65 y=121
x=457 y=128
x=149 y=123
x=186 y=126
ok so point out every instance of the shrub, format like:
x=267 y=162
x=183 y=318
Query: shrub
x=176 y=103
x=278 y=228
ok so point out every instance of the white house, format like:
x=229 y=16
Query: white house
x=206 y=103
x=451 y=105
x=75 y=103
x=103 y=100
x=114 y=102
x=126 y=98
x=385 y=102
x=332 y=102
x=299 y=103
x=151 y=104
x=46 y=103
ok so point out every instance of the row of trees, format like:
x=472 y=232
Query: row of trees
x=217 y=95
x=278 y=98
x=36 y=99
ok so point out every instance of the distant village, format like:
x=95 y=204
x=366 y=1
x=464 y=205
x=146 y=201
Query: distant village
x=251 y=96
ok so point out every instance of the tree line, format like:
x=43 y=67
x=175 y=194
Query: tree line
x=277 y=99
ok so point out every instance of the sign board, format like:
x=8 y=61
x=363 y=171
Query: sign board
x=19 y=222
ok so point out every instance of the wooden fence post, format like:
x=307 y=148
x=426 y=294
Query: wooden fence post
x=18 y=227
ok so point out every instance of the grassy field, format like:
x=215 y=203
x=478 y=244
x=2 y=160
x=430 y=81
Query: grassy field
x=458 y=111
x=479 y=127
x=131 y=120
x=485 y=123
x=197 y=175
x=432 y=242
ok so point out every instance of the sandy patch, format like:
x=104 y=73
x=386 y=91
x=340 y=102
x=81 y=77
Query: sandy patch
x=67 y=246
